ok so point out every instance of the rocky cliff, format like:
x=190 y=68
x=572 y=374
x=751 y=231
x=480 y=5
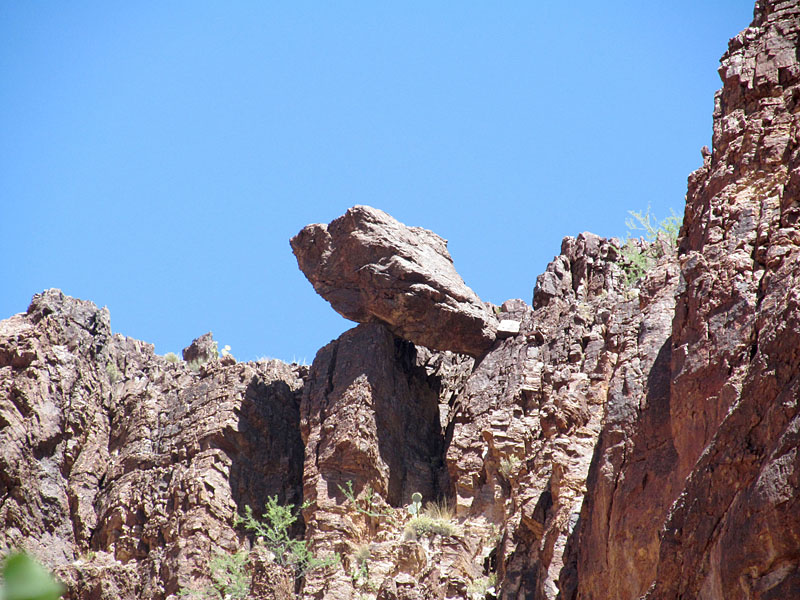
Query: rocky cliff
x=618 y=438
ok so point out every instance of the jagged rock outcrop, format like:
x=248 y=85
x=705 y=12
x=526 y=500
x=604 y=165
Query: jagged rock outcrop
x=121 y=470
x=371 y=420
x=372 y=268
x=618 y=439
x=532 y=410
x=695 y=493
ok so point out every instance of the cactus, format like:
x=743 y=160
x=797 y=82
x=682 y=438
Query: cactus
x=416 y=504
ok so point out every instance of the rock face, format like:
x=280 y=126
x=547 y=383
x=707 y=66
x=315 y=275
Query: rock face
x=371 y=419
x=372 y=268
x=122 y=471
x=617 y=439
x=694 y=494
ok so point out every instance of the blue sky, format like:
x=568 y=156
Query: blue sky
x=156 y=157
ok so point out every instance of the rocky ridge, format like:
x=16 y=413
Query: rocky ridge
x=616 y=441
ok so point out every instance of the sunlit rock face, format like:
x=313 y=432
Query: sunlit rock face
x=694 y=489
x=622 y=437
x=372 y=268
x=121 y=470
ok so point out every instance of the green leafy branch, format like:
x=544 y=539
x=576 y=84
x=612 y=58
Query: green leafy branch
x=273 y=532
x=639 y=260
x=367 y=504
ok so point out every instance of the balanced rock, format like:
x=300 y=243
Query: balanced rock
x=372 y=268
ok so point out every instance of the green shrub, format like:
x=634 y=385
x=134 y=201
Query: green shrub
x=360 y=574
x=273 y=532
x=367 y=504
x=229 y=578
x=25 y=579
x=113 y=373
x=639 y=260
x=651 y=227
x=171 y=357
x=436 y=519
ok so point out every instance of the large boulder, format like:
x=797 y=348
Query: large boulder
x=372 y=268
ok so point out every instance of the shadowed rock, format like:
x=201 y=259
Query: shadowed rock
x=372 y=268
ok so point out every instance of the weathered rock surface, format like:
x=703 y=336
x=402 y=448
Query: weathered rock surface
x=372 y=268
x=611 y=441
x=201 y=350
x=532 y=411
x=694 y=493
x=123 y=471
x=371 y=420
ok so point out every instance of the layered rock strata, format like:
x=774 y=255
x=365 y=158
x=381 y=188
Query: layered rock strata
x=372 y=268
x=695 y=493
x=121 y=470
x=617 y=439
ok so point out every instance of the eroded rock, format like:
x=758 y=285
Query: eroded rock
x=123 y=471
x=694 y=489
x=372 y=268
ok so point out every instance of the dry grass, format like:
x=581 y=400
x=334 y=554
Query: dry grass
x=437 y=518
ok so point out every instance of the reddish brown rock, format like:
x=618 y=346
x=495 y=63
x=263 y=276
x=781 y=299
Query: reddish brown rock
x=624 y=442
x=371 y=419
x=123 y=471
x=735 y=524
x=372 y=268
x=531 y=413
x=693 y=493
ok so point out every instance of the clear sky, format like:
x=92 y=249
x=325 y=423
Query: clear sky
x=156 y=157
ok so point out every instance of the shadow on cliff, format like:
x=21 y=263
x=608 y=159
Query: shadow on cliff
x=267 y=452
x=644 y=494
x=369 y=383
x=410 y=438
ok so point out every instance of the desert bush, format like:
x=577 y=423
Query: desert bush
x=229 y=578
x=367 y=503
x=509 y=465
x=273 y=532
x=171 y=357
x=113 y=373
x=638 y=259
x=437 y=518
x=360 y=573
x=479 y=588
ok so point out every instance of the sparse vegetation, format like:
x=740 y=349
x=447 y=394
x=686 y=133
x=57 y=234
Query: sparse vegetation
x=113 y=373
x=509 y=466
x=479 y=588
x=366 y=504
x=213 y=354
x=229 y=578
x=360 y=572
x=273 y=532
x=638 y=260
x=436 y=519
x=171 y=357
